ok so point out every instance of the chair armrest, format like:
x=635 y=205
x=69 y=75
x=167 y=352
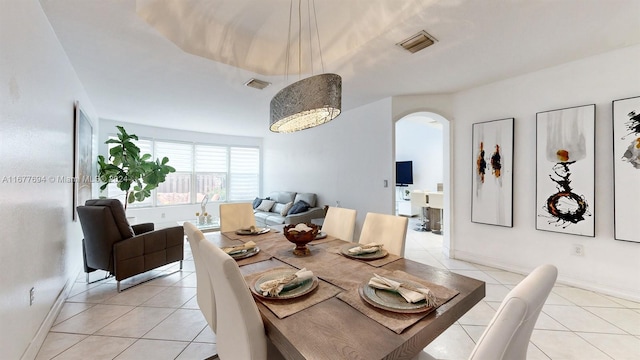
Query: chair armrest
x=304 y=217
x=142 y=228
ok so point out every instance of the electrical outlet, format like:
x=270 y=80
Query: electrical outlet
x=162 y=215
x=32 y=295
x=577 y=250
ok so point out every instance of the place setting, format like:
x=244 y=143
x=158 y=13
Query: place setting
x=285 y=291
x=249 y=231
x=397 y=300
x=373 y=254
x=247 y=253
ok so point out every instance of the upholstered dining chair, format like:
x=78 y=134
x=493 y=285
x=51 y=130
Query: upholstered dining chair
x=204 y=292
x=240 y=331
x=389 y=230
x=507 y=335
x=111 y=244
x=340 y=223
x=236 y=216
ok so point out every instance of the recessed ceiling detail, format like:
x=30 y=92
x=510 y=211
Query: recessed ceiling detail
x=417 y=42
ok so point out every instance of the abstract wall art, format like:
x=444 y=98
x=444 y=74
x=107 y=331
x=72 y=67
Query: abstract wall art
x=492 y=180
x=565 y=170
x=83 y=158
x=626 y=168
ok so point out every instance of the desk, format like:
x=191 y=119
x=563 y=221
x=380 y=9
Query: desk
x=332 y=329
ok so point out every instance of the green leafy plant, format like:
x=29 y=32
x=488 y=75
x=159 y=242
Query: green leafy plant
x=133 y=173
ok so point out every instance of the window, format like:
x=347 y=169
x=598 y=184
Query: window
x=177 y=187
x=224 y=173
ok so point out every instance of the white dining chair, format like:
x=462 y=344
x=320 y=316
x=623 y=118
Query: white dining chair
x=340 y=223
x=389 y=230
x=204 y=290
x=240 y=331
x=507 y=335
x=236 y=216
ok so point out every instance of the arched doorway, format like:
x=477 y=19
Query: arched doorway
x=423 y=138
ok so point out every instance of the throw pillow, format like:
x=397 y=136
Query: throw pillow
x=265 y=205
x=286 y=208
x=256 y=202
x=299 y=207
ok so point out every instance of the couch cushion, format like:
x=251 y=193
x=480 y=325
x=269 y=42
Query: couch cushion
x=282 y=209
x=256 y=202
x=265 y=205
x=282 y=196
x=299 y=206
x=309 y=198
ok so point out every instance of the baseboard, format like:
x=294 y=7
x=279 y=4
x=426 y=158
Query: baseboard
x=627 y=294
x=41 y=334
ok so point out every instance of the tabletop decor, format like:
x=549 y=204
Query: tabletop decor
x=285 y=284
x=371 y=251
x=301 y=234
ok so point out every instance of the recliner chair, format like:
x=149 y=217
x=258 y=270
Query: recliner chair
x=111 y=244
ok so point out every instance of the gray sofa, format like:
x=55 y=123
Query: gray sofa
x=274 y=215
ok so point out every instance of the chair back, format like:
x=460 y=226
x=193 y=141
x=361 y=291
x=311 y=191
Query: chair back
x=240 y=331
x=236 y=216
x=204 y=294
x=340 y=223
x=385 y=229
x=509 y=332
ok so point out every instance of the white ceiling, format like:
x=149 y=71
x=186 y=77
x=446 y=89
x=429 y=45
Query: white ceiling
x=132 y=72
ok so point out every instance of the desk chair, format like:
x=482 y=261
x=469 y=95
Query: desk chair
x=340 y=223
x=421 y=199
x=507 y=335
x=204 y=294
x=240 y=330
x=385 y=229
x=236 y=216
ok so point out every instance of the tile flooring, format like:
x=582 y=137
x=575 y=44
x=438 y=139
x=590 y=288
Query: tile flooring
x=160 y=318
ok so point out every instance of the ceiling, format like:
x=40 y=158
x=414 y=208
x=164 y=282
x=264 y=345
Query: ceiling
x=183 y=64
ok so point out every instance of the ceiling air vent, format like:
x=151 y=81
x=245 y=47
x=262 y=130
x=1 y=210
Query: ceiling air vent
x=417 y=42
x=257 y=84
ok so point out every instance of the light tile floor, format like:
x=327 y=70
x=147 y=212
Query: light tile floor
x=160 y=319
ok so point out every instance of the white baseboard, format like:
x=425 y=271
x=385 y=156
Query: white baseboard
x=627 y=294
x=41 y=334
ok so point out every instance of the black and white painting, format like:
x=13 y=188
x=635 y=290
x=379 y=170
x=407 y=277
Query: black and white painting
x=492 y=181
x=565 y=170
x=626 y=166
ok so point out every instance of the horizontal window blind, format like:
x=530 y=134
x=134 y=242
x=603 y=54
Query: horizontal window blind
x=244 y=173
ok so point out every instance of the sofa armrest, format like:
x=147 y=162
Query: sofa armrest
x=305 y=217
x=142 y=228
x=148 y=251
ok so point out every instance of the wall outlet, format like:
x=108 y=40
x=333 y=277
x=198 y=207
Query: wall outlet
x=32 y=295
x=163 y=215
x=577 y=250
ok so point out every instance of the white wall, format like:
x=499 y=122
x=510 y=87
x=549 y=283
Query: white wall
x=608 y=265
x=346 y=160
x=41 y=246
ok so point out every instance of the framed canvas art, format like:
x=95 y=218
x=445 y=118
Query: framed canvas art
x=492 y=181
x=626 y=168
x=83 y=158
x=565 y=170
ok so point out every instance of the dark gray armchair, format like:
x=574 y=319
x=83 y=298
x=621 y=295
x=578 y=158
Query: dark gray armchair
x=111 y=244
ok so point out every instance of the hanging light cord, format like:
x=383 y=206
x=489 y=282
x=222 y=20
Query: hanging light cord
x=315 y=18
x=286 y=58
x=310 y=4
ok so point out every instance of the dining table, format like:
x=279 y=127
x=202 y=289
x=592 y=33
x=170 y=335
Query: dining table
x=334 y=321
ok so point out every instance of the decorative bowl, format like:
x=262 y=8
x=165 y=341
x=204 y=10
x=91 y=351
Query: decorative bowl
x=300 y=238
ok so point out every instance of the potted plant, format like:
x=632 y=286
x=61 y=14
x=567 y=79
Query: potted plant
x=133 y=173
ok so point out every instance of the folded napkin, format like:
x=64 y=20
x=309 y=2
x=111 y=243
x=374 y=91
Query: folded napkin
x=410 y=293
x=365 y=249
x=234 y=249
x=274 y=287
x=251 y=228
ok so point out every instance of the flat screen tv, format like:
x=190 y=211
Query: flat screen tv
x=404 y=173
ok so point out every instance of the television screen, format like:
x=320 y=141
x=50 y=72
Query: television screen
x=404 y=173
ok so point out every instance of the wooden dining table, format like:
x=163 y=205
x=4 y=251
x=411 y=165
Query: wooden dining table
x=332 y=322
